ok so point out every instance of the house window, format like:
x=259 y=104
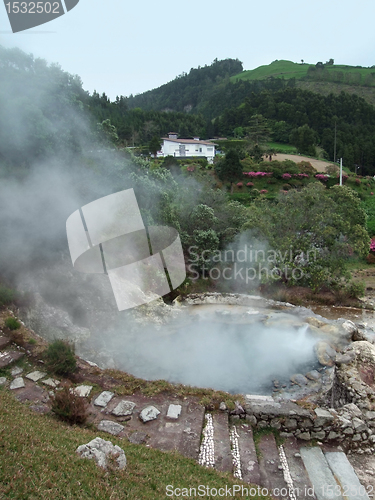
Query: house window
x=209 y=149
x=200 y=150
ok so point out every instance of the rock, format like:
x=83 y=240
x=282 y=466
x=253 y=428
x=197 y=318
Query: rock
x=305 y=436
x=359 y=335
x=348 y=431
x=82 y=390
x=290 y=423
x=325 y=353
x=313 y=375
x=318 y=435
x=5 y=342
x=251 y=419
x=124 y=408
x=3 y=380
x=103 y=399
x=299 y=379
x=359 y=425
x=315 y=322
x=323 y=417
x=333 y=435
x=275 y=423
x=223 y=406
x=100 y=450
x=370 y=415
x=344 y=359
x=350 y=329
x=35 y=376
x=174 y=411
x=17 y=383
x=149 y=413
x=8 y=357
x=17 y=370
x=51 y=382
x=110 y=427
x=352 y=409
x=138 y=437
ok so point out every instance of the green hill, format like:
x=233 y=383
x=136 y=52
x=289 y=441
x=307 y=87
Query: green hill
x=277 y=69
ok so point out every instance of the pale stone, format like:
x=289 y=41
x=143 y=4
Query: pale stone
x=149 y=413
x=174 y=411
x=110 y=427
x=17 y=370
x=103 y=399
x=35 y=376
x=323 y=417
x=3 y=380
x=82 y=390
x=51 y=382
x=100 y=450
x=17 y=383
x=124 y=408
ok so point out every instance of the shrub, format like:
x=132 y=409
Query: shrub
x=7 y=295
x=286 y=187
x=12 y=323
x=263 y=191
x=286 y=176
x=69 y=407
x=322 y=177
x=358 y=182
x=356 y=289
x=239 y=184
x=250 y=184
x=59 y=358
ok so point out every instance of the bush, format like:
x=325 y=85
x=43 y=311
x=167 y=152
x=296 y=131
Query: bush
x=69 y=407
x=12 y=323
x=7 y=295
x=59 y=358
x=356 y=289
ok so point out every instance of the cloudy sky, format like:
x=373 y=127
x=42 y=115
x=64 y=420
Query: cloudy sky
x=121 y=47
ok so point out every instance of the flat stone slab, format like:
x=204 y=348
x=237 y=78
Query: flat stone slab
x=82 y=390
x=124 y=408
x=149 y=413
x=35 y=376
x=266 y=405
x=222 y=447
x=103 y=399
x=17 y=370
x=99 y=450
x=51 y=382
x=344 y=472
x=111 y=427
x=8 y=357
x=3 y=380
x=17 y=383
x=320 y=474
x=269 y=462
x=322 y=417
x=301 y=482
x=174 y=411
x=249 y=460
x=4 y=342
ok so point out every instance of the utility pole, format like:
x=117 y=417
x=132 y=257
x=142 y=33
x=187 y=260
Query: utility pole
x=334 y=149
x=340 y=171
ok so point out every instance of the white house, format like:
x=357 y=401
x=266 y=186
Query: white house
x=182 y=148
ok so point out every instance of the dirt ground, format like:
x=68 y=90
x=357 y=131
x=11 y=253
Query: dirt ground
x=320 y=165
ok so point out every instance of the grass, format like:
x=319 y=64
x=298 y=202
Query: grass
x=38 y=461
x=277 y=69
x=266 y=431
x=282 y=148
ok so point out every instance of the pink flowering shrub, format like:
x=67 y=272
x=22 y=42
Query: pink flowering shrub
x=286 y=176
x=372 y=245
x=250 y=184
x=322 y=177
x=263 y=191
x=358 y=182
x=190 y=169
x=371 y=193
x=301 y=176
x=239 y=184
x=258 y=174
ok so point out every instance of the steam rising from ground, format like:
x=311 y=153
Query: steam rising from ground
x=207 y=353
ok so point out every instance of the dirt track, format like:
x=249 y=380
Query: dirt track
x=320 y=165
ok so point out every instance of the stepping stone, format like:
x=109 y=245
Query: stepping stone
x=124 y=408
x=4 y=342
x=3 y=380
x=344 y=473
x=82 y=390
x=35 y=376
x=249 y=459
x=51 y=382
x=17 y=370
x=138 y=437
x=17 y=383
x=104 y=398
x=111 y=427
x=269 y=462
x=222 y=447
x=320 y=474
x=174 y=411
x=99 y=450
x=301 y=482
x=8 y=357
x=149 y=413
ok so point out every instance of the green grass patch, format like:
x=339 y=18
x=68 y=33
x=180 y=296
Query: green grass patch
x=277 y=69
x=282 y=148
x=38 y=460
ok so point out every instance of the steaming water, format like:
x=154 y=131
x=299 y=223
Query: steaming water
x=237 y=358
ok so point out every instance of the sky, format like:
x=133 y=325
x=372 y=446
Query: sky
x=124 y=48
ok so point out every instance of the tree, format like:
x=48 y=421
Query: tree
x=229 y=168
x=154 y=146
x=304 y=139
x=107 y=131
